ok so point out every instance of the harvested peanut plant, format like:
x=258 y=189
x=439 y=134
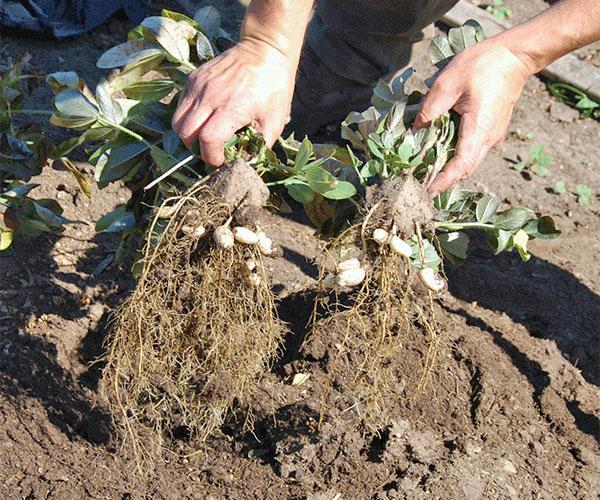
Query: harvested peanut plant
x=201 y=326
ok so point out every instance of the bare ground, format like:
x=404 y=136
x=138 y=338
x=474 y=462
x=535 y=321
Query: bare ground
x=512 y=410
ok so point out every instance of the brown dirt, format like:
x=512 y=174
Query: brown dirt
x=512 y=411
x=403 y=200
x=240 y=187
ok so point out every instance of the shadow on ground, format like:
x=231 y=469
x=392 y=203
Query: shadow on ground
x=547 y=300
x=36 y=288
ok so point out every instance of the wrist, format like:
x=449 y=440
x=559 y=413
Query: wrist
x=280 y=24
x=526 y=63
x=262 y=53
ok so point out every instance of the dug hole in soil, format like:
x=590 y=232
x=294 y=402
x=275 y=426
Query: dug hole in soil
x=510 y=411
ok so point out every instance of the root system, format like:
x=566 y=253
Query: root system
x=389 y=325
x=194 y=336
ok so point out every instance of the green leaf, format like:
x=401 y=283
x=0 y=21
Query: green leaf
x=163 y=160
x=486 y=208
x=541 y=170
x=404 y=151
x=303 y=155
x=109 y=107
x=498 y=240
x=204 y=48
x=370 y=169
x=432 y=258
x=583 y=190
x=66 y=147
x=342 y=191
x=126 y=53
x=479 y=33
x=51 y=219
x=118 y=220
x=320 y=180
x=455 y=244
x=462 y=38
x=72 y=123
x=134 y=72
x=542 y=228
x=209 y=21
x=519 y=167
x=519 y=241
x=62 y=80
x=151 y=91
x=169 y=35
x=560 y=187
x=171 y=142
x=440 y=52
x=18 y=190
x=6 y=238
x=118 y=162
x=584 y=200
x=72 y=103
x=585 y=103
x=445 y=200
x=302 y=193
x=512 y=219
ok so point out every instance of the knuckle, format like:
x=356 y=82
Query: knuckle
x=442 y=86
x=209 y=136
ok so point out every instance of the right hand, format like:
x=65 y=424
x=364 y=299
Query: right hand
x=250 y=84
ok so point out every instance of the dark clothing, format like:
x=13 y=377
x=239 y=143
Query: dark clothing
x=65 y=18
x=374 y=36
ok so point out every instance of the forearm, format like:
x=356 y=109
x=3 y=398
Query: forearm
x=564 y=27
x=278 y=23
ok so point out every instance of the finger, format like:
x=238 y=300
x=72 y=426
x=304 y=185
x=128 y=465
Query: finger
x=271 y=131
x=436 y=103
x=472 y=146
x=193 y=121
x=182 y=109
x=218 y=129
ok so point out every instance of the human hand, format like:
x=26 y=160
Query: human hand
x=250 y=84
x=482 y=84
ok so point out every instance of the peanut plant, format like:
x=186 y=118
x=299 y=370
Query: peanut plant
x=123 y=127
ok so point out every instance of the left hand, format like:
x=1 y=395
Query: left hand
x=482 y=84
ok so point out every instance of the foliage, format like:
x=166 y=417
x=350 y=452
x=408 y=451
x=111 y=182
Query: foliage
x=560 y=187
x=499 y=10
x=537 y=163
x=576 y=98
x=505 y=230
x=521 y=135
x=584 y=194
x=24 y=152
x=124 y=128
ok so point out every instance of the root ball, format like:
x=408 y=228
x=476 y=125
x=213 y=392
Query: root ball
x=193 y=338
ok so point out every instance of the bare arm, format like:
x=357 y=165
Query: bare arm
x=484 y=82
x=250 y=84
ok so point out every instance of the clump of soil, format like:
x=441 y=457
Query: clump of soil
x=195 y=334
x=388 y=319
x=402 y=201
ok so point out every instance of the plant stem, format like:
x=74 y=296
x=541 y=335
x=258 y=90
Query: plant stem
x=188 y=181
x=457 y=226
x=31 y=112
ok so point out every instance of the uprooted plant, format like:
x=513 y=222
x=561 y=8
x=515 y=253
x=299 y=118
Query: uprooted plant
x=201 y=325
x=368 y=285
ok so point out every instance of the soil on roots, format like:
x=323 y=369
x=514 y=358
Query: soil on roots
x=388 y=321
x=195 y=334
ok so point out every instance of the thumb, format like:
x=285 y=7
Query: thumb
x=436 y=103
